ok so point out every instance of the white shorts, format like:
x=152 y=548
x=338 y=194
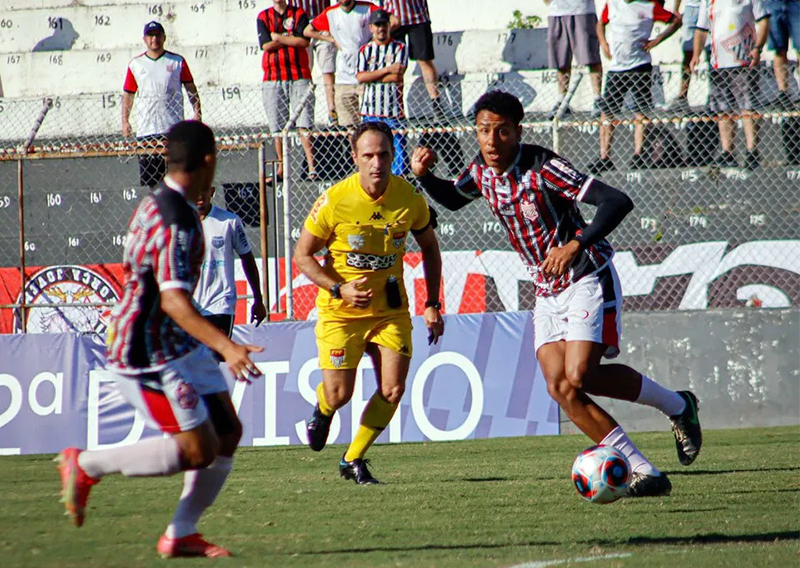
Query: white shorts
x=589 y=310
x=171 y=399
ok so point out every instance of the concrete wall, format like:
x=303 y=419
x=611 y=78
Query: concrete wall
x=63 y=47
x=743 y=365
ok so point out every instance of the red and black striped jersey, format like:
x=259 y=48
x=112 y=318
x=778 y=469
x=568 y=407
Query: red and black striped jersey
x=164 y=249
x=409 y=12
x=286 y=63
x=312 y=8
x=535 y=200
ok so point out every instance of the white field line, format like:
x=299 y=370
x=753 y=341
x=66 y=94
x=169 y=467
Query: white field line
x=546 y=563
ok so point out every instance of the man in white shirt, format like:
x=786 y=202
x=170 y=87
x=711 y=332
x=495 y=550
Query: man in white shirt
x=348 y=25
x=215 y=294
x=689 y=17
x=739 y=31
x=629 y=24
x=572 y=29
x=155 y=77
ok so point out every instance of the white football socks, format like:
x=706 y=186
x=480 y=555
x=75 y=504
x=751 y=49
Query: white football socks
x=200 y=490
x=667 y=401
x=639 y=464
x=149 y=457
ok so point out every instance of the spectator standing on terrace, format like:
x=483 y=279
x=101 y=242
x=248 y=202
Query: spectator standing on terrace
x=381 y=65
x=411 y=24
x=572 y=30
x=689 y=21
x=347 y=27
x=628 y=46
x=324 y=56
x=287 y=75
x=155 y=78
x=739 y=31
x=784 y=23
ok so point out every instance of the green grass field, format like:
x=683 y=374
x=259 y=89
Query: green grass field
x=488 y=503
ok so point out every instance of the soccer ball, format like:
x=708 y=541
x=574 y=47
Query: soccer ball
x=601 y=474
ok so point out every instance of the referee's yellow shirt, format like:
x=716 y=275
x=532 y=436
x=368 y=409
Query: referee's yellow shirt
x=366 y=237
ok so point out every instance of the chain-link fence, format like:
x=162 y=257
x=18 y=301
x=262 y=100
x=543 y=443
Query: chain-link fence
x=709 y=229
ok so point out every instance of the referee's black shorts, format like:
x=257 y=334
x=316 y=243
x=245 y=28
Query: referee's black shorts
x=420 y=40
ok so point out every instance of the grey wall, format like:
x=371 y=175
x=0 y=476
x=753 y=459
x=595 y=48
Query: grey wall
x=743 y=365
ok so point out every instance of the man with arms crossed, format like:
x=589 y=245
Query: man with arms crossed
x=363 y=221
x=158 y=353
x=533 y=192
x=155 y=78
x=215 y=295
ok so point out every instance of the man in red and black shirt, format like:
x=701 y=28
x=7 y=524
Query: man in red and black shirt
x=534 y=194
x=287 y=74
x=158 y=354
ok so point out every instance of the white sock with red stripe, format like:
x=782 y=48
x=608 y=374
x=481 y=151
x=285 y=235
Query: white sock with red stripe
x=148 y=458
x=200 y=490
x=667 y=401
x=639 y=464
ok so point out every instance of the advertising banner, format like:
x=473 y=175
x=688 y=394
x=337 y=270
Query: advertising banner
x=480 y=381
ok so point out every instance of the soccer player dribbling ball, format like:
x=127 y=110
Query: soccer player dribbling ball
x=158 y=352
x=363 y=221
x=534 y=193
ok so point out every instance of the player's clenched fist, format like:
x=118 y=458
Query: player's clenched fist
x=421 y=160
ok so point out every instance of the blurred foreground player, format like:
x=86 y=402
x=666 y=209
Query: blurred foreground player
x=533 y=192
x=157 y=352
x=363 y=221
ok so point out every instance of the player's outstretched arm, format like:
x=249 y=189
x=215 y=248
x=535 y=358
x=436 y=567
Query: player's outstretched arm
x=440 y=190
x=177 y=304
x=259 y=311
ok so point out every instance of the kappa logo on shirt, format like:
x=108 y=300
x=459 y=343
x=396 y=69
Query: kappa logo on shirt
x=376 y=216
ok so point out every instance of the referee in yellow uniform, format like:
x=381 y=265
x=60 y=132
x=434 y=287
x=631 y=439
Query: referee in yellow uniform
x=363 y=222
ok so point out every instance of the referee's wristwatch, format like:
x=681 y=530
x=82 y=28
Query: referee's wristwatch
x=433 y=304
x=336 y=291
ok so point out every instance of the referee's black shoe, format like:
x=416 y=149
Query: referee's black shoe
x=317 y=429
x=357 y=471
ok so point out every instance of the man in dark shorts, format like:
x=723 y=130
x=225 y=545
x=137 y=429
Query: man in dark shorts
x=739 y=30
x=572 y=30
x=155 y=78
x=411 y=24
x=628 y=47
x=534 y=194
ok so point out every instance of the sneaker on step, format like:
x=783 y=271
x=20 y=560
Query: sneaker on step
x=639 y=163
x=601 y=165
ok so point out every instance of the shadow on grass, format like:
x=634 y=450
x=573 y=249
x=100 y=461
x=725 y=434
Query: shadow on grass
x=485 y=479
x=710 y=538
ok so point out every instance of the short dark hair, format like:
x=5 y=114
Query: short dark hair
x=502 y=103
x=365 y=127
x=188 y=144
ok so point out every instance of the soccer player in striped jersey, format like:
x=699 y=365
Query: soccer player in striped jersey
x=381 y=65
x=158 y=355
x=534 y=194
